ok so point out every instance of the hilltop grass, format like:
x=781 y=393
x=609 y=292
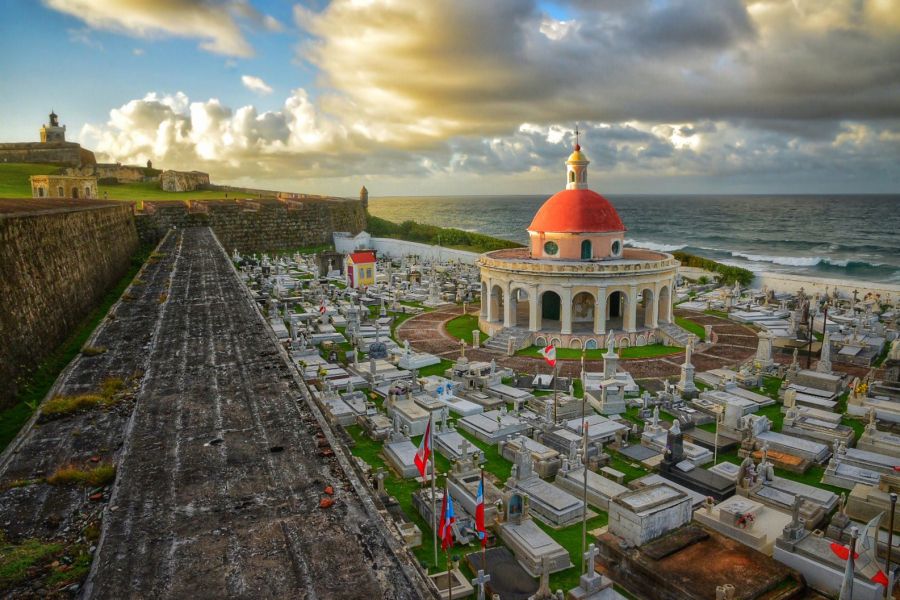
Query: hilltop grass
x=18 y=560
x=35 y=387
x=436 y=236
x=149 y=190
x=14 y=181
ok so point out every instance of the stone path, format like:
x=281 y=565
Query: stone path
x=736 y=343
x=225 y=465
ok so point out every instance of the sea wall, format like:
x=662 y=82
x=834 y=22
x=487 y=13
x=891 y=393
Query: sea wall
x=62 y=153
x=265 y=225
x=345 y=243
x=56 y=265
x=786 y=282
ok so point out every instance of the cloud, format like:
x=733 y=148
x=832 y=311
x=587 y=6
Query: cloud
x=83 y=36
x=138 y=51
x=215 y=22
x=256 y=85
x=758 y=91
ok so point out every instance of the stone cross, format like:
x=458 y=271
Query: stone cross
x=464 y=450
x=590 y=556
x=544 y=590
x=480 y=582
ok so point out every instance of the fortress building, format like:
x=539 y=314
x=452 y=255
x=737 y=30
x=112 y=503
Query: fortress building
x=52 y=149
x=576 y=283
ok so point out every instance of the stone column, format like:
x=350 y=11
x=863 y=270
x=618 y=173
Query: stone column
x=654 y=316
x=600 y=312
x=484 y=303
x=509 y=316
x=630 y=320
x=565 y=311
x=534 y=310
x=671 y=303
x=489 y=313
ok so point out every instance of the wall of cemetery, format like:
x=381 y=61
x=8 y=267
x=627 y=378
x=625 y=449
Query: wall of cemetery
x=56 y=267
x=266 y=225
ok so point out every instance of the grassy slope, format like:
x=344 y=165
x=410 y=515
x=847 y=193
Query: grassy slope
x=14 y=181
x=692 y=327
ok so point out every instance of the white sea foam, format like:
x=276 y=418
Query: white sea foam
x=653 y=245
x=790 y=261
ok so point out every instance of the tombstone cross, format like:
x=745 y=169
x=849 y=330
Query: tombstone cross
x=590 y=556
x=480 y=582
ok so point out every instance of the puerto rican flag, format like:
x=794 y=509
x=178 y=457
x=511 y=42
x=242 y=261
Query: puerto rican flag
x=322 y=307
x=445 y=530
x=549 y=354
x=424 y=451
x=479 y=513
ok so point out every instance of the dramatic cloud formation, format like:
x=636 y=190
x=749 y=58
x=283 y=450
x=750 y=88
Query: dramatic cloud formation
x=256 y=84
x=707 y=88
x=215 y=22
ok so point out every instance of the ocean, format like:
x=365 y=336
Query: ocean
x=845 y=237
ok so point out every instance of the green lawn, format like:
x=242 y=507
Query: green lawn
x=437 y=369
x=14 y=182
x=39 y=383
x=692 y=327
x=462 y=327
x=149 y=190
x=633 y=352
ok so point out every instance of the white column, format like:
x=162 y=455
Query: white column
x=508 y=314
x=485 y=300
x=534 y=309
x=671 y=302
x=654 y=321
x=630 y=321
x=600 y=312
x=565 y=312
x=490 y=302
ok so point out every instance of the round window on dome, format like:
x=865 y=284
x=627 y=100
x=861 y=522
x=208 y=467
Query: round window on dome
x=551 y=248
x=616 y=248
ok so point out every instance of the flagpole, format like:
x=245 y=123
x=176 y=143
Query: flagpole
x=434 y=517
x=584 y=460
x=555 y=391
x=484 y=533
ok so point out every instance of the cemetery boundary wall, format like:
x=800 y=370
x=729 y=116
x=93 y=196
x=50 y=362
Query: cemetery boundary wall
x=56 y=265
x=344 y=243
x=261 y=225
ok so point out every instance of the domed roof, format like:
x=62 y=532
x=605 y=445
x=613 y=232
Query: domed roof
x=577 y=155
x=576 y=211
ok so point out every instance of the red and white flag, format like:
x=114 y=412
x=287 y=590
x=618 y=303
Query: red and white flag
x=322 y=308
x=445 y=529
x=549 y=354
x=424 y=451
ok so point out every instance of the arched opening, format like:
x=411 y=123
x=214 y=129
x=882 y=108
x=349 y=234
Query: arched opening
x=496 y=304
x=583 y=313
x=74 y=192
x=571 y=176
x=586 y=250
x=665 y=303
x=644 y=312
x=40 y=192
x=520 y=307
x=615 y=311
x=60 y=193
x=551 y=306
x=87 y=192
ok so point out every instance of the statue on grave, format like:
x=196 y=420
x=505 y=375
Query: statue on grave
x=462 y=349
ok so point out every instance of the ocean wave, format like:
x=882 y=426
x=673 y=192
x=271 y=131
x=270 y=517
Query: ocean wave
x=653 y=245
x=808 y=261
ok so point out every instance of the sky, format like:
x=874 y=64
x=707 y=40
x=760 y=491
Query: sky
x=469 y=96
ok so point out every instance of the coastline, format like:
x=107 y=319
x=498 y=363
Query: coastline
x=779 y=282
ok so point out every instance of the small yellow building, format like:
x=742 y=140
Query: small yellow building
x=63 y=186
x=360 y=269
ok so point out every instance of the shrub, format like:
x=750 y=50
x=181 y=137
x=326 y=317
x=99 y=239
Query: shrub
x=100 y=475
x=431 y=234
x=59 y=406
x=93 y=350
x=163 y=297
x=728 y=274
x=18 y=560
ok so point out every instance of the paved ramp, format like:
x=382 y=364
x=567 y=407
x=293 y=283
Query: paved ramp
x=222 y=472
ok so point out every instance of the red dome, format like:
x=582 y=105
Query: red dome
x=576 y=211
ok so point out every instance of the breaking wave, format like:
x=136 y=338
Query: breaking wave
x=653 y=245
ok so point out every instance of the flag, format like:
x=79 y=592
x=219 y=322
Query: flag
x=479 y=513
x=866 y=561
x=445 y=530
x=322 y=307
x=424 y=451
x=549 y=354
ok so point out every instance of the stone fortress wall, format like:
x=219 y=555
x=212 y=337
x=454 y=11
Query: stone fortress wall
x=61 y=153
x=263 y=225
x=56 y=265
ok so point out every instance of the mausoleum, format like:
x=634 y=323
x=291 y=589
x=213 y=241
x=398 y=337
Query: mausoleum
x=576 y=283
